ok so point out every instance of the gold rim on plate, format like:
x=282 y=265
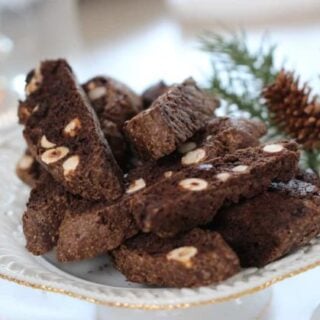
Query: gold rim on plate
x=227 y=298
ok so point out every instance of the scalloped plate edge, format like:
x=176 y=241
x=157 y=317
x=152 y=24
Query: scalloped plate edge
x=226 y=298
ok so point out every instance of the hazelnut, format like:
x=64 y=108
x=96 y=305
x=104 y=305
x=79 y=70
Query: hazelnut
x=35 y=109
x=240 y=169
x=168 y=174
x=25 y=162
x=193 y=184
x=146 y=226
x=91 y=85
x=183 y=255
x=70 y=165
x=136 y=185
x=45 y=143
x=54 y=155
x=35 y=81
x=223 y=176
x=273 y=148
x=186 y=147
x=72 y=128
x=97 y=93
x=193 y=157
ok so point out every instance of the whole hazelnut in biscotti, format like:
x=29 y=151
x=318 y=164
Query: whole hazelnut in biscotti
x=53 y=155
x=183 y=255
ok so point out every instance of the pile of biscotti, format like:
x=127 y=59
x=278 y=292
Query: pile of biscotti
x=177 y=196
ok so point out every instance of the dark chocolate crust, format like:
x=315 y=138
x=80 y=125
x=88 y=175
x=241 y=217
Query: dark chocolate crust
x=269 y=226
x=172 y=119
x=88 y=233
x=192 y=196
x=64 y=124
x=151 y=260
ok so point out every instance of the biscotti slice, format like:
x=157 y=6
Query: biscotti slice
x=114 y=103
x=221 y=136
x=117 y=143
x=269 y=226
x=172 y=119
x=91 y=232
x=28 y=169
x=65 y=137
x=194 y=259
x=46 y=207
x=112 y=100
x=192 y=196
x=233 y=133
x=84 y=228
x=153 y=92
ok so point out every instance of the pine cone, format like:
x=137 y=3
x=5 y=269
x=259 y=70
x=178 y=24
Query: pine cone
x=293 y=110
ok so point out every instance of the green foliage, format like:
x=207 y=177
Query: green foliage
x=311 y=159
x=238 y=77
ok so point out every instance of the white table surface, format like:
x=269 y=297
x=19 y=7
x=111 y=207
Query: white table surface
x=138 y=43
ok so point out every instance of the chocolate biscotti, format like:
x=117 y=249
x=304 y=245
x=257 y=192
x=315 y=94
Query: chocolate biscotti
x=273 y=224
x=193 y=259
x=64 y=135
x=117 y=142
x=46 y=207
x=112 y=100
x=192 y=196
x=80 y=228
x=172 y=119
x=114 y=103
x=221 y=136
x=233 y=133
x=92 y=231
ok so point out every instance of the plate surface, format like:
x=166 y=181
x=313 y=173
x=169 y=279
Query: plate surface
x=96 y=280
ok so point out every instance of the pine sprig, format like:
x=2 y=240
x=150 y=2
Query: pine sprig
x=234 y=51
x=238 y=74
x=311 y=159
x=238 y=77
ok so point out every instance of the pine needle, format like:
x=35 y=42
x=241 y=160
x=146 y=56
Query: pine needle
x=238 y=77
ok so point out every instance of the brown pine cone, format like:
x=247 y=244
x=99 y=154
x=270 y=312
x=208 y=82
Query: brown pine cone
x=293 y=110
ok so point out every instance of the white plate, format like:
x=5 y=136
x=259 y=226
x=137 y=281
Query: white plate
x=96 y=280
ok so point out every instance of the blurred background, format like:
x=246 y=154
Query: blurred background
x=140 y=42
